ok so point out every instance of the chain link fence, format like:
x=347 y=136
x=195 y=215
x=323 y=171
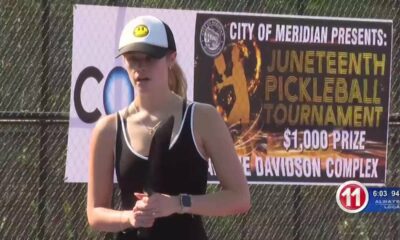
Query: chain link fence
x=35 y=68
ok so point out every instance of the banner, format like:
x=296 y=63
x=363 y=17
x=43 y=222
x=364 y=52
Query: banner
x=306 y=99
x=99 y=83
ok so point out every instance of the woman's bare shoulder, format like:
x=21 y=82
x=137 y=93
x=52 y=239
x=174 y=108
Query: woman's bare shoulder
x=208 y=112
x=208 y=120
x=106 y=126
x=204 y=108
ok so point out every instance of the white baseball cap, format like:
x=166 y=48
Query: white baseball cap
x=146 y=34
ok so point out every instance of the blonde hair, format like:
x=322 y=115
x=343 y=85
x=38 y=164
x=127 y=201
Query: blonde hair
x=177 y=80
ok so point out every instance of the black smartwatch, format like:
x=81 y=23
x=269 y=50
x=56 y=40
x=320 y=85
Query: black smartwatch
x=186 y=202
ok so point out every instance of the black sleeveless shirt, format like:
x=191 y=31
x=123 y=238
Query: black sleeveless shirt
x=184 y=170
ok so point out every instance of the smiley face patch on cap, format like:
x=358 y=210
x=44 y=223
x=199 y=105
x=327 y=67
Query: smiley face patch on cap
x=141 y=31
x=146 y=34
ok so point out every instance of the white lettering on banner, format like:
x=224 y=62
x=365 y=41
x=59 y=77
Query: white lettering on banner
x=352 y=168
x=302 y=34
x=288 y=167
x=358 y=36
x=241 y=31
x=278 y=167
x=246 y=165
x=264 y=31
x=349 y=140
x=309 y=167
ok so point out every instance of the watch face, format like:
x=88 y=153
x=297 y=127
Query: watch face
x=186 y=201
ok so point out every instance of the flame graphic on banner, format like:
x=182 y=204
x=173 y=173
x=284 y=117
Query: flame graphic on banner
x=232 y=91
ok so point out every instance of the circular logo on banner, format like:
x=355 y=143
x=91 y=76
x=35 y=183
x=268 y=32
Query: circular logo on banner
x=352 y=197
x=212 y=37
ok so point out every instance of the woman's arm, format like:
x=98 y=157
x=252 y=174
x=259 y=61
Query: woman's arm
x=100 y=214
x=100 y=182
x=213 y=137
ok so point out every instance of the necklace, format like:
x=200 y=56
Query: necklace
x=150 y=130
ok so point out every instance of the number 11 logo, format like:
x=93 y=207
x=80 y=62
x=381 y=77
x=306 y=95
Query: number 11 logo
x=352 y=197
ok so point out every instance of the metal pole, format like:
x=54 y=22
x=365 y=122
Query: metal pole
x=296 y=213
x=43 y=159
x=301 y=6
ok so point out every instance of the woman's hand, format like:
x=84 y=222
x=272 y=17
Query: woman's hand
x=141 y=215
x=157 y=205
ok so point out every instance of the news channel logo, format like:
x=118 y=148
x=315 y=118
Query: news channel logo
x=354 y=197
x=118 y=92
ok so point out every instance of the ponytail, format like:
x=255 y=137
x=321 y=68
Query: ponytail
x=177 y=81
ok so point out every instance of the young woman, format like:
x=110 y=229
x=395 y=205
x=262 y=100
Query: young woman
x=122 y=141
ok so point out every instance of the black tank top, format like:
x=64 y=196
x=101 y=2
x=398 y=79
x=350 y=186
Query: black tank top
x=184 y=171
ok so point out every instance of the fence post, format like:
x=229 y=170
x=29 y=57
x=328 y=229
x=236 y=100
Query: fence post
x=43 y=159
